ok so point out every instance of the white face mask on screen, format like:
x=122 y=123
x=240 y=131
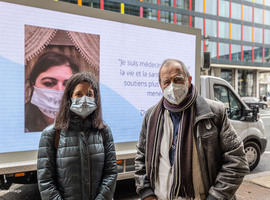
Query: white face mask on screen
x=47 y=100
x=175 y=93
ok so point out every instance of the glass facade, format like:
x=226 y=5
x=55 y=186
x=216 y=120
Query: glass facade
x=236 y=31
x=223 y=8
x=247 y=13
x=267 y=17
x=227 y=75
x=224 y=29
x=245 y=83
x=247 y=36
x=236 y=11
x=239 y=30
x=258 y=15
x=236 y=52
x=211 y=27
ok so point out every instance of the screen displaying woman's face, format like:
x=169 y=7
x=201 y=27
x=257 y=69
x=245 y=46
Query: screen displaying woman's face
x=54 y=78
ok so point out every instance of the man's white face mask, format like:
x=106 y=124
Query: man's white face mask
x=175 y=93
x=47 y=100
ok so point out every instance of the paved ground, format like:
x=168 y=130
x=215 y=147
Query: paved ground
x=255 y=187
x=251 y=191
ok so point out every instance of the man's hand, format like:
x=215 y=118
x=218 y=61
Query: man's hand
x=150 y=198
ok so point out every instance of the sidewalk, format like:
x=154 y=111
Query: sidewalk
x=255 y=187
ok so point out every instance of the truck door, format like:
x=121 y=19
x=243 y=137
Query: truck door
x=234 y=108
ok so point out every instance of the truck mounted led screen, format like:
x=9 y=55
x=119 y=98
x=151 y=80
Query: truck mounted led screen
x=124 y=57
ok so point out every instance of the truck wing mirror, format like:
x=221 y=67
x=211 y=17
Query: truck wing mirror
x=252 y=114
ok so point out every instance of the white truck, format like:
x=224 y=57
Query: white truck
x=131 y=50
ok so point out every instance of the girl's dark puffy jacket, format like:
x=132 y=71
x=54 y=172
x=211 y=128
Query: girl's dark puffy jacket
x=82 y=167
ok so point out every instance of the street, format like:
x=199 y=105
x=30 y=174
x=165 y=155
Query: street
x=125 y=189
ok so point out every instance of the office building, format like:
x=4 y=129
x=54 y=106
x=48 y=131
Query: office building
x=236 y=32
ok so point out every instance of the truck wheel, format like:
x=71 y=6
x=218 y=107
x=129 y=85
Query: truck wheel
x=4 y=185
x=253 y=154
x=263 y=106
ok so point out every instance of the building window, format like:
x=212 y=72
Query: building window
x=236 y=52
x=247 y=33
x=247 y=13
x=112 y=6
x=132 y=10
x=245 y=83
x=267 y=38
x=258 y=15
x=267 y=17
x=226 y=74
x=247 y=51
x=267 y=55
x=211 y=27
x=224 y=8
x=199 y=6
x=181 y=19
x=166 y=17
x=212 y=48
x=151 y=14
x=164 y=2
x=258 y=35
x=236 y=11
x=259 y=1
x=224 y=51
x=184 y=4
x=236 y=32
x=258 y=54
x=199 y=23
x=223 y=30
x=211 y=7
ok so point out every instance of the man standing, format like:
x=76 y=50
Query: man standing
x=187 y=147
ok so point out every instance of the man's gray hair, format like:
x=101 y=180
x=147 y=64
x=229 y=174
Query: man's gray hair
x=169 y=62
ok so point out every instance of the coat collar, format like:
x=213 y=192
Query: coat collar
x=202 y=109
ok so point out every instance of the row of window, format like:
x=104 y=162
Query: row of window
x=223 y=10
x=233 y=52
x=213 y=28
x=211 y=7
x=223 y=30
x=184 y=4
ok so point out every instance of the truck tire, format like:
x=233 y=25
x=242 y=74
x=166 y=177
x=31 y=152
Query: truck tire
x=4 y=184
x=253 y=154
x=263 y=106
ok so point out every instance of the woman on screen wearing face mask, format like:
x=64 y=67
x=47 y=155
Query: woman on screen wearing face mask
x=76 y=156
x=46 y=83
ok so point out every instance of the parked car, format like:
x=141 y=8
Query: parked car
x=253 y=101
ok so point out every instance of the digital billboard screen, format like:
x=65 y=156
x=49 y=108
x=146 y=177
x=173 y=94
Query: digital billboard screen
x=124 y=57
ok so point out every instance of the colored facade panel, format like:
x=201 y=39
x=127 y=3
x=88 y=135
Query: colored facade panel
x=238 y=28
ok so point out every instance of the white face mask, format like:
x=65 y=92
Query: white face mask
x=83 y=106
x=175 y=93
x=47 y=100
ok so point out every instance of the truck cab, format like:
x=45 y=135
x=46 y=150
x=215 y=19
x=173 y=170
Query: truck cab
x=247 y=122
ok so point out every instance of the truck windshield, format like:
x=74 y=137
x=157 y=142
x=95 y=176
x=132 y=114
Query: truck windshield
x=225 y=95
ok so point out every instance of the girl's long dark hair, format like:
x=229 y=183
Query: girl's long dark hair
x=63 y=116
